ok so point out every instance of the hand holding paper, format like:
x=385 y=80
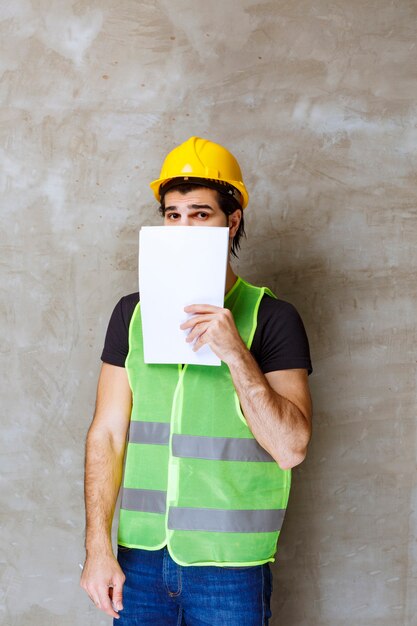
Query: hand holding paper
x=214 y=326
x=179 y=266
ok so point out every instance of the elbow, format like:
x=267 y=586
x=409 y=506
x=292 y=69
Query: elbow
x=291 y=458
x=104 y=439
x=295 y=454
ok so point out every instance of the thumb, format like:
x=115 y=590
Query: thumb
x=117 y=597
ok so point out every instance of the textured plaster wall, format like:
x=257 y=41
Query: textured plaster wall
x=318 y=102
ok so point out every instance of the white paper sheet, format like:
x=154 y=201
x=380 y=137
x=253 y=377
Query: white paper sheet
x=178 y=266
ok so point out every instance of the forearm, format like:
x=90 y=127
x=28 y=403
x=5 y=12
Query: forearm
x=103 y=474
x=277 y=424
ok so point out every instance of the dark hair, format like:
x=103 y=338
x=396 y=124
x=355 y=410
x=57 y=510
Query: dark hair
x=227 y=203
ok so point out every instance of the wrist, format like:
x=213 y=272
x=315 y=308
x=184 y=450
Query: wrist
x=237 y=356
x=98 y=546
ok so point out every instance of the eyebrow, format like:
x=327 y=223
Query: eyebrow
x=190 y=206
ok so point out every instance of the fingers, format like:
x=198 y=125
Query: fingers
x=196 y=319
x=213 y=326
x=117 y=597
x=106 y=597
x=101 y=600
x=94 y=600
x=202 y=308
x=104 y=602
x=223 y=315
x=196 y=332
x=200 y=342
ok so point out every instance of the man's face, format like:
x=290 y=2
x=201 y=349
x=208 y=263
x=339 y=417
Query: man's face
x=196 y=208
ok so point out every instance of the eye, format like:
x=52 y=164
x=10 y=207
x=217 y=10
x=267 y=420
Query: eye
x=172 y=216
x=202 y=215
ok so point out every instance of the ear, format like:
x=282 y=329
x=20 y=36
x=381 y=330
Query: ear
x=234 y=221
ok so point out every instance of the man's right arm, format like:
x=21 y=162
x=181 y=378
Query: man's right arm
x=102 y=577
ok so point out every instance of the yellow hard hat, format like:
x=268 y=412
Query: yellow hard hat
x=204 y=162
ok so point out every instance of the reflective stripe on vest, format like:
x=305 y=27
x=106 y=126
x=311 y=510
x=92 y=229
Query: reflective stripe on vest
x=215 y=448
x=214 y=520
x=219 y=448
x=148 y=500
x=149 y=432
x=228 y=521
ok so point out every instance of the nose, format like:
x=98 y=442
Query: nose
x=185 y=220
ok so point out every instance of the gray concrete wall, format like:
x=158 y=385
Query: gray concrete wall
x=318 y=102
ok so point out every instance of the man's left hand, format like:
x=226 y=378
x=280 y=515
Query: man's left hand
x=215 y=327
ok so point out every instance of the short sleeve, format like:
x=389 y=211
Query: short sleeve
x=280 y=341
x=116 y=343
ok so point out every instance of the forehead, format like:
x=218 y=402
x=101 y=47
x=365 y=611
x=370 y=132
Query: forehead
x=202 y=195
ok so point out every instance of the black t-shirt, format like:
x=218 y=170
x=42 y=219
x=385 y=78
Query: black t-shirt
x=280 y=341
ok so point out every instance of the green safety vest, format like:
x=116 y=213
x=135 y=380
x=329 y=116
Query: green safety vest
x=195 y=478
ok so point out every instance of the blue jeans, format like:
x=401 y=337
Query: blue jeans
x=158 y=591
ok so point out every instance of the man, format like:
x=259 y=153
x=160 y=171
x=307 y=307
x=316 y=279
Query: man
x=207 y=469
